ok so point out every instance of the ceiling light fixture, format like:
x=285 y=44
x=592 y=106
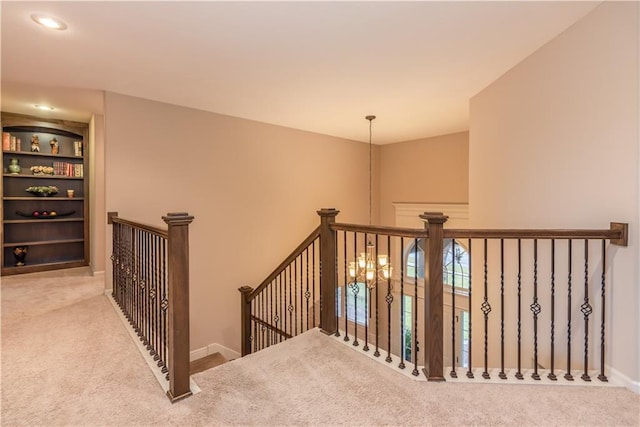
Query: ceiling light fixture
x=368 y=268
x=49 y=22
x=44 y=107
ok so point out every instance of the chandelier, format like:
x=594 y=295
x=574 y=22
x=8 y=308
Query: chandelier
x=369 y=266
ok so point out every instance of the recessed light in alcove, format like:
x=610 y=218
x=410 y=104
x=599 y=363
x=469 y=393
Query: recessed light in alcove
x=49 y=22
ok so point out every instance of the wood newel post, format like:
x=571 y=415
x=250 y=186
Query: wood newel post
x=433 y=300
x=328 y=323
x=178 y=288
x=245 y=319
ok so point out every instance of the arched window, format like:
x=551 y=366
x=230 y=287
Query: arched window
x=454 y=260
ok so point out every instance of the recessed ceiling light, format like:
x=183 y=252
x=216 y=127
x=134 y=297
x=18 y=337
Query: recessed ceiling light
x=44 y=107
x=49 y=22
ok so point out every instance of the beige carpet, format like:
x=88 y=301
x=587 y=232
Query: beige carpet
x=67 y=360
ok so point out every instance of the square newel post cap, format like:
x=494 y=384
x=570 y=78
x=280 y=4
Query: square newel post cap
x=328 y=212
x=434 y=217
x=178 y=218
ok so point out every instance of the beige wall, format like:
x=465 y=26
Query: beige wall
x=430 y=170
x=554 y=143
x=253 y=188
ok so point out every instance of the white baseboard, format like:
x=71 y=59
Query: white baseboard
x=211 y=349
x=97 y=273
x=164 y=383
x=618 y=377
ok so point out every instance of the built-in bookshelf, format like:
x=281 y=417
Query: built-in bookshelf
x=45 y=198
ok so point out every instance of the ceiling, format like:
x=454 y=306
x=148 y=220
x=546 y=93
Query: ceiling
x=316 y=66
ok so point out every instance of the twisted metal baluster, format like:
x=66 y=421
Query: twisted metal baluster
x=389 y=300
x=367 y=294
x=346 y=294
x=486 y=309
x=453 y=309
x=552 y=375
x=502 y=374
x=602 y=377
x=470 y=361
x=402 y=337
x=414 y=310
x=568 y=375
x=377 y=352
x=519 y=372
x=586 y=311
x=535 y=309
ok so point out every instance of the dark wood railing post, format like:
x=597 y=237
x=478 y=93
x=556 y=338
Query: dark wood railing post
x=245 y=319
x=433 y=300
x=328 y=323
x=178 y=275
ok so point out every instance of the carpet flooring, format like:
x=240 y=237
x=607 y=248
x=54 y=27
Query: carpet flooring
x=68 y=361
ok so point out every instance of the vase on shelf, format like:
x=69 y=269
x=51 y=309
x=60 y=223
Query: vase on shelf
x=20 y=253
x=14 y=167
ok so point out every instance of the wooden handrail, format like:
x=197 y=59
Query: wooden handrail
x=288 y=260
x=112 y=217
x=375 y=229
x=273 y=328
x=617 y=234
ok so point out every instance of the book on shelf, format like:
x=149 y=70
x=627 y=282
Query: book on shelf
x=6 y=141
x=77 y=148
x=68 y=169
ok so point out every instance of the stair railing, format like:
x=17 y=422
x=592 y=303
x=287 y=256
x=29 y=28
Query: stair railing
x=512 y=303
x=151 y=286
x=287 y=302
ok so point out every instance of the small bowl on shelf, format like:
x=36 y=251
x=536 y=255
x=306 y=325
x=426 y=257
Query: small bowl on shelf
x=42 y=190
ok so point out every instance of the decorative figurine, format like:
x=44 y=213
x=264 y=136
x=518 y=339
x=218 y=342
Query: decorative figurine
x=35 y=144
x=14 y=167
x=54 y=146
x=20 y=253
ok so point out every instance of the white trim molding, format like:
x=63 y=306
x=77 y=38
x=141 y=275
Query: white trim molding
x=408 y=214
x=211 y=349
x=618 y=378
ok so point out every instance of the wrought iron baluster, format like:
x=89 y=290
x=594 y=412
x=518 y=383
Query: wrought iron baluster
x=300 y=312
x=502 y=374
x=290 y=307
x=602 y=377
x=295 y=296
x=279 y=306
x=402 y=335
x=367 y=294
x=535 y=309
x=568 y=375
x=307 y=295
x=263 y=305
x=586 y=310
x=313 y=274
x=552 y=375
x=148 y=281
x=453 y=372
x=344 y=301
x=519 y=372
x=355 y=289
x=470 y=346
x=254 y=335
x=164 y=306
x=271 y=289
x=345 y=272
x=389 y=300
x=486 y=309
x=377 y=352
x=414 y=310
